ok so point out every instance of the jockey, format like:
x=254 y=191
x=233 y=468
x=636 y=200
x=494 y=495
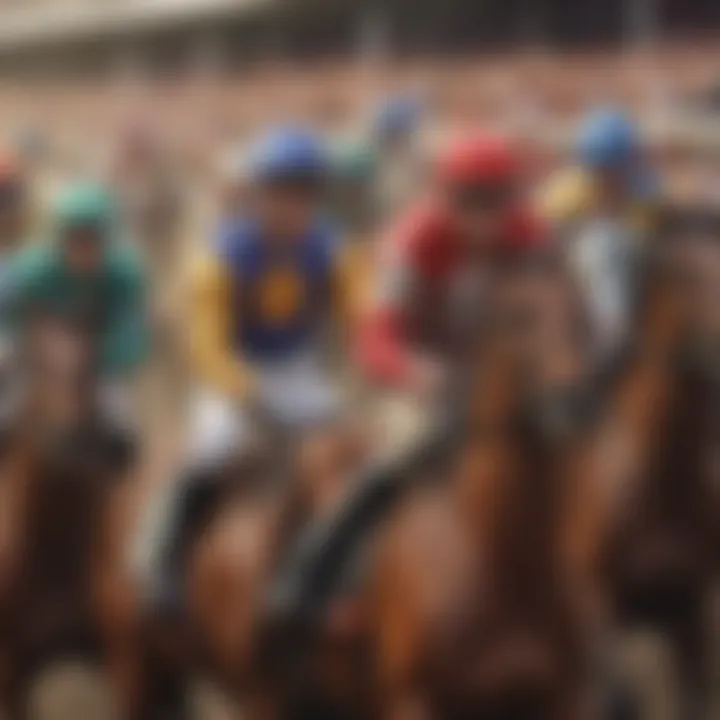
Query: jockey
x=262 y=297
x=355 y=165
x=611 y=178
x=605 y=207
x=436 y=262
x=354 y=203
x=395 y=122
x=87 y=273
x=394 y=134
x=475 y=220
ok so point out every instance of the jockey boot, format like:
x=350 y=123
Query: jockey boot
x=193 y=499
x=308 y=577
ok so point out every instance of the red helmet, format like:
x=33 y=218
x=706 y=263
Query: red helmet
x=479 y=160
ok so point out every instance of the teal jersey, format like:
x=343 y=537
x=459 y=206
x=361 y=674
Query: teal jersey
x=112 y=301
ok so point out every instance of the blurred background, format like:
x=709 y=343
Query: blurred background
x=221 y=68
x=78 y=72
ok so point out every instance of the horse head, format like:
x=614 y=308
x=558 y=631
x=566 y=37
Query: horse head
x=59 y=383
x=528 y=409
x=666 y=405
x=54 y=473
x=531 y=372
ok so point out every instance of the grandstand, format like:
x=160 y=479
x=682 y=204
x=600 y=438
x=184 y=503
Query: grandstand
x=80 y=37
x=40 y=22
x=64 y=63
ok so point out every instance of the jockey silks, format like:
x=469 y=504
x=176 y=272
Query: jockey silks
x=111 y=302
x=281 y=295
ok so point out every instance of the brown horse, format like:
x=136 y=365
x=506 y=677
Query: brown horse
x=231 y=568
x=650 y=530
x=474 y=609
x=58 y=595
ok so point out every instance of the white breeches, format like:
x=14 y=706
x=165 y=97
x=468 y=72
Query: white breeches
x=295 y=393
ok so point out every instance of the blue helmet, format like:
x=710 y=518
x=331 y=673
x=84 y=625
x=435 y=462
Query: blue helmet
x=289 y=154
x=609 y=140
x=397 y=117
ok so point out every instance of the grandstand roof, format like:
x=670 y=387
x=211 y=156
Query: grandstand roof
x=51 y=21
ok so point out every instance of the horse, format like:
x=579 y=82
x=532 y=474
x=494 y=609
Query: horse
x=650 y=531
x=472 y=608
x=59 y=595
x=272 y=491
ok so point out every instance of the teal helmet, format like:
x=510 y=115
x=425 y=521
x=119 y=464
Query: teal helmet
x=354 y=161
x=86 y=206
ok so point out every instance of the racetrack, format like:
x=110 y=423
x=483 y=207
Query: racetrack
x=71 y=690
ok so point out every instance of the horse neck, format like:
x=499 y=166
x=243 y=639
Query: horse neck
x=684 y=439
x=509 y=491
x=666 y=419
x=48 y=400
